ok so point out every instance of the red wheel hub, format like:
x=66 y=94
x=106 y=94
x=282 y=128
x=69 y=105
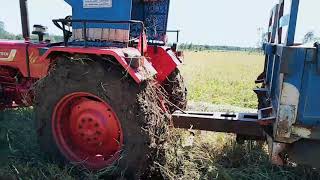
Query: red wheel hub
x=87 y=130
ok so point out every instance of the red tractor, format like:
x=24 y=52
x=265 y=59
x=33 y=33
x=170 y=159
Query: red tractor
x=100 y=97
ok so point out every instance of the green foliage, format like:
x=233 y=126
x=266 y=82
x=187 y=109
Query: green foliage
x=309 y=37
x=194 y=47
x=4 y=34
x=9 y=36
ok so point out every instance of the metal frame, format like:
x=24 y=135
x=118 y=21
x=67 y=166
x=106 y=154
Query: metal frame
x=24 y=19
x=288 y=94
x=245 y=124
x=85 y=23
x=177 y=33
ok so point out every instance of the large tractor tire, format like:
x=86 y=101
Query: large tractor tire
x=89 y=114
x=176 y=91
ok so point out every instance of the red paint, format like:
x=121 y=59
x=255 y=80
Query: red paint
x=143 y=38
x=87 y=130
x=19 y=61
x=163 y=59
x=15 y=83
x=117 y=53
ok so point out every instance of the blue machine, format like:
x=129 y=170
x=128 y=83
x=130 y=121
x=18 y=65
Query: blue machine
x=154 y=15
x=110 y=10
x=291 y=82
x=288 y=116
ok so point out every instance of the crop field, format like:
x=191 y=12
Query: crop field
x=216 y=81
x=222 y=77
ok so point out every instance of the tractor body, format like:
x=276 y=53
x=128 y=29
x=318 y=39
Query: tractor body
x=132 y=32
x=93 y=93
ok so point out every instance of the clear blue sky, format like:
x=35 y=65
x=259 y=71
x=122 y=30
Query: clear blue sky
x=214 y=22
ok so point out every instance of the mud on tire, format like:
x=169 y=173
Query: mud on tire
x=143 y=123
x=176 y=90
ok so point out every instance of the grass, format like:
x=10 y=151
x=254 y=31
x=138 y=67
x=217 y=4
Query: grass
x=23 y=159
x=223 y=78
x=218 y=156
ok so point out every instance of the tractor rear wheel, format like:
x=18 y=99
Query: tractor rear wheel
x=89 y=115
x=176 y=90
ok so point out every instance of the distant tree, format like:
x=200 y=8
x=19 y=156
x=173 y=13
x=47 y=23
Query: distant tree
x=1 y=26
x=309 y=37
x=19 y=37
x=263 y=37
x=56 y=38
x=3 y=33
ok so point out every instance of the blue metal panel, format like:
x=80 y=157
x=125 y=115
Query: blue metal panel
x=294 y=70
x=153 y=14
x=155 y=17
x=274 y=85
x=309 y=103
x=68 y=1
x=294 y=63
x=292 y=22
x=269 y=68
x=120 y=11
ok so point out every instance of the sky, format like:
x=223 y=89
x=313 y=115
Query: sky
x=212 y=22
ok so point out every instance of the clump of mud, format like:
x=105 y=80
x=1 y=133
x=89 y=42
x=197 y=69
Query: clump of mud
x=156 y=123
x=156 y=105
x=176 y=91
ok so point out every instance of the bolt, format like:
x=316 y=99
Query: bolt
x=96 y=125
x=98 y=133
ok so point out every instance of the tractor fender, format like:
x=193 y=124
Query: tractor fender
x=124 y=56
x=164 y=60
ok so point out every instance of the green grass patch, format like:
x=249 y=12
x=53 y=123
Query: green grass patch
x=222 y=77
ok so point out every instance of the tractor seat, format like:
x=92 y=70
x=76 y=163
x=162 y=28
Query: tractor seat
x=39 y=30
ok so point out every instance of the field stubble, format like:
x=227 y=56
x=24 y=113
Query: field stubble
x=222 y=77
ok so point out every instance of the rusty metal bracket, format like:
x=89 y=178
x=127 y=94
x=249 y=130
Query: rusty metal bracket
x=238 y=123
x=265 y=116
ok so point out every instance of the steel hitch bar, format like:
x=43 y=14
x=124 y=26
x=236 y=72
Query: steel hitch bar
x=241 y=124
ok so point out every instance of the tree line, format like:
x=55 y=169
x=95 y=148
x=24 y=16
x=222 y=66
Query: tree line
x=10 y=36
x=196 y=47
x=308 y=38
